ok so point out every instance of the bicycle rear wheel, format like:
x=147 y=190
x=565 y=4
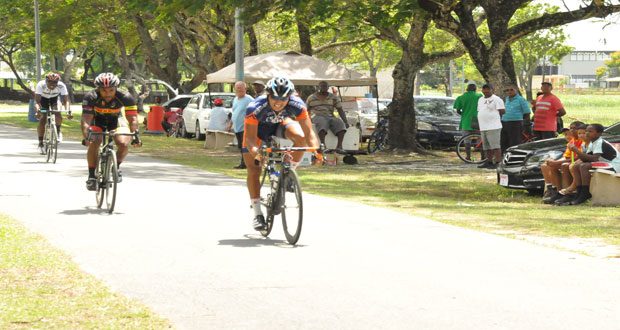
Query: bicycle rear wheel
x=100 y=172
x=291 y=206
x=476 y=152
x=268 y=201
x=112 y=181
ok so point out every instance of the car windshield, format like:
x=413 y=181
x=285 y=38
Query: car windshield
x=434 y=107
x=613 y=129
x=228 y=100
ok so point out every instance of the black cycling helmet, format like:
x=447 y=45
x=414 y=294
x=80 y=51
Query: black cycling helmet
x=107 y=79
x=52 y=78
x=280 y=87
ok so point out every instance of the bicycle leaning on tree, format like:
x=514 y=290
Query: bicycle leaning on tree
x=106 y=172
x=378 y=138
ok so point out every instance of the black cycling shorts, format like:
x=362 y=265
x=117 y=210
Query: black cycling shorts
x=106 y=123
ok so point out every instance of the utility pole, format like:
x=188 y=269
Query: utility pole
x=238 y=45
x=37 y=35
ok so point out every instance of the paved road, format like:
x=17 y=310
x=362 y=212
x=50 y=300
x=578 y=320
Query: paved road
x=181 y=242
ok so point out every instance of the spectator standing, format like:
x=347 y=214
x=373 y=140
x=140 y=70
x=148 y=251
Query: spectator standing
x=321 y=107
x=466 y=106
x=219 y=117
x=598 y=150
x=490 y=109
x=547 y=109
x=516 y=117
x=259 y=88
x=240 y=103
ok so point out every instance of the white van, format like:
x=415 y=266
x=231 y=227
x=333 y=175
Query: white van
x=364 y=112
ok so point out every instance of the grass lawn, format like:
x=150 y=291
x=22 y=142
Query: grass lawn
x=41 y=288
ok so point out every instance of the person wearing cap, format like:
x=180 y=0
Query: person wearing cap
x=547 y=111
x=219 y=117
x=466 y=106
x=321 y=106
x=490 y=109
x=259 y=88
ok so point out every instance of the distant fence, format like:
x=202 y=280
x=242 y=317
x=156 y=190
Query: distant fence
x=587 y=91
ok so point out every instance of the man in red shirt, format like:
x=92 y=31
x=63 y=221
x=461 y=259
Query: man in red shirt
x=546 y=110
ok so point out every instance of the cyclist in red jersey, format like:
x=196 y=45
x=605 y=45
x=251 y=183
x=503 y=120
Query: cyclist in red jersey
x=101 y=111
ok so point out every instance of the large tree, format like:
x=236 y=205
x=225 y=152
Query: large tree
x=493 y=58
x=405 y=25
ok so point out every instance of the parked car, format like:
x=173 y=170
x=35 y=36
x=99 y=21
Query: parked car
x=197 y=112
x=179 y=101
x=520 y=167
x=363 y=111
x=437 y=122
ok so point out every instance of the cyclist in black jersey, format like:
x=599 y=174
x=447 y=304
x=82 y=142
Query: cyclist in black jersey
x=101 y=111
x=46 y=97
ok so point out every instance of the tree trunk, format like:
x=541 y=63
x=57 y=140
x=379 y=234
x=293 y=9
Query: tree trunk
x=253 y=40
x=127 y=72
x=402 y=115
x=303 y=30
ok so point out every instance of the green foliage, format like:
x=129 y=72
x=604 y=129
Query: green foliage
x=611 y=68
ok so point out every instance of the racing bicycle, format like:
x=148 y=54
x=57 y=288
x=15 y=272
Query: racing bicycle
x=284 y=197
x=106 y=171
x=174 y=131
x=50 y=137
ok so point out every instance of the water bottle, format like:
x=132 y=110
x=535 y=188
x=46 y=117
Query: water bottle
x=274 y=175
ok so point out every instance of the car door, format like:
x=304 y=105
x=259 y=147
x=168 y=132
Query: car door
x=190 y=113
x=205 y=111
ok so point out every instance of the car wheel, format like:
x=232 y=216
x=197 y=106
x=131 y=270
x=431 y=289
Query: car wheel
x=183 y=130
x=197 y=133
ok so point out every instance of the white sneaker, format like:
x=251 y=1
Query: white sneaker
x=60 y=137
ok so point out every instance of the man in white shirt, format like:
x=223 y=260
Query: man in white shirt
x=490 y=111
x=219 y=117
x=46 y=98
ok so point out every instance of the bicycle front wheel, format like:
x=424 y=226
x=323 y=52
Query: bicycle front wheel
x=111 y=181
x=469 y=149
x=291 y=206
x=47 y=141
x=100 y=172
x=53 y=145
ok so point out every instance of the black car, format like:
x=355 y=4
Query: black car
x=520 y=168
x=437 y=121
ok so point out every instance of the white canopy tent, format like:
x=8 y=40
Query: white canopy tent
x=302 y=69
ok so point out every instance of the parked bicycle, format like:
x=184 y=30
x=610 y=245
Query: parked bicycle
x=177 y=124
x=50 y=137
x=283 y=196
x=469 y=148
x=106 y=171
x=378 y=138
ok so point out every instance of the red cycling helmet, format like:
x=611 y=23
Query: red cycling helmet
x=52 y=78
x=107 y=79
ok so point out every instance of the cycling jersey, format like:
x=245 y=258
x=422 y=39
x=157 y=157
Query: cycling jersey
x=260 y=113
x=49 y=97
x=107 y=114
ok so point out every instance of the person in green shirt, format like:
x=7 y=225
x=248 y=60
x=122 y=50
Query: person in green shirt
x=466 y=105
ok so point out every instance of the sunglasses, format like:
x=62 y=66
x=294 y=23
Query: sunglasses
x=509 y=90
x=279 y=98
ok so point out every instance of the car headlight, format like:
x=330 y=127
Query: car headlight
x=541 y=157
x=424 y=126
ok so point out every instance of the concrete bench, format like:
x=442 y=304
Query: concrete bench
x=218 y=139
x=605 y=186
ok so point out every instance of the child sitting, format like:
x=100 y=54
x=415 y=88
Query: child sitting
x=598 y=150
x=569 y=169
x=551 y=168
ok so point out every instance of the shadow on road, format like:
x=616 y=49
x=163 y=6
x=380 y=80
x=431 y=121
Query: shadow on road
x=86 y=210
x=255 y=240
